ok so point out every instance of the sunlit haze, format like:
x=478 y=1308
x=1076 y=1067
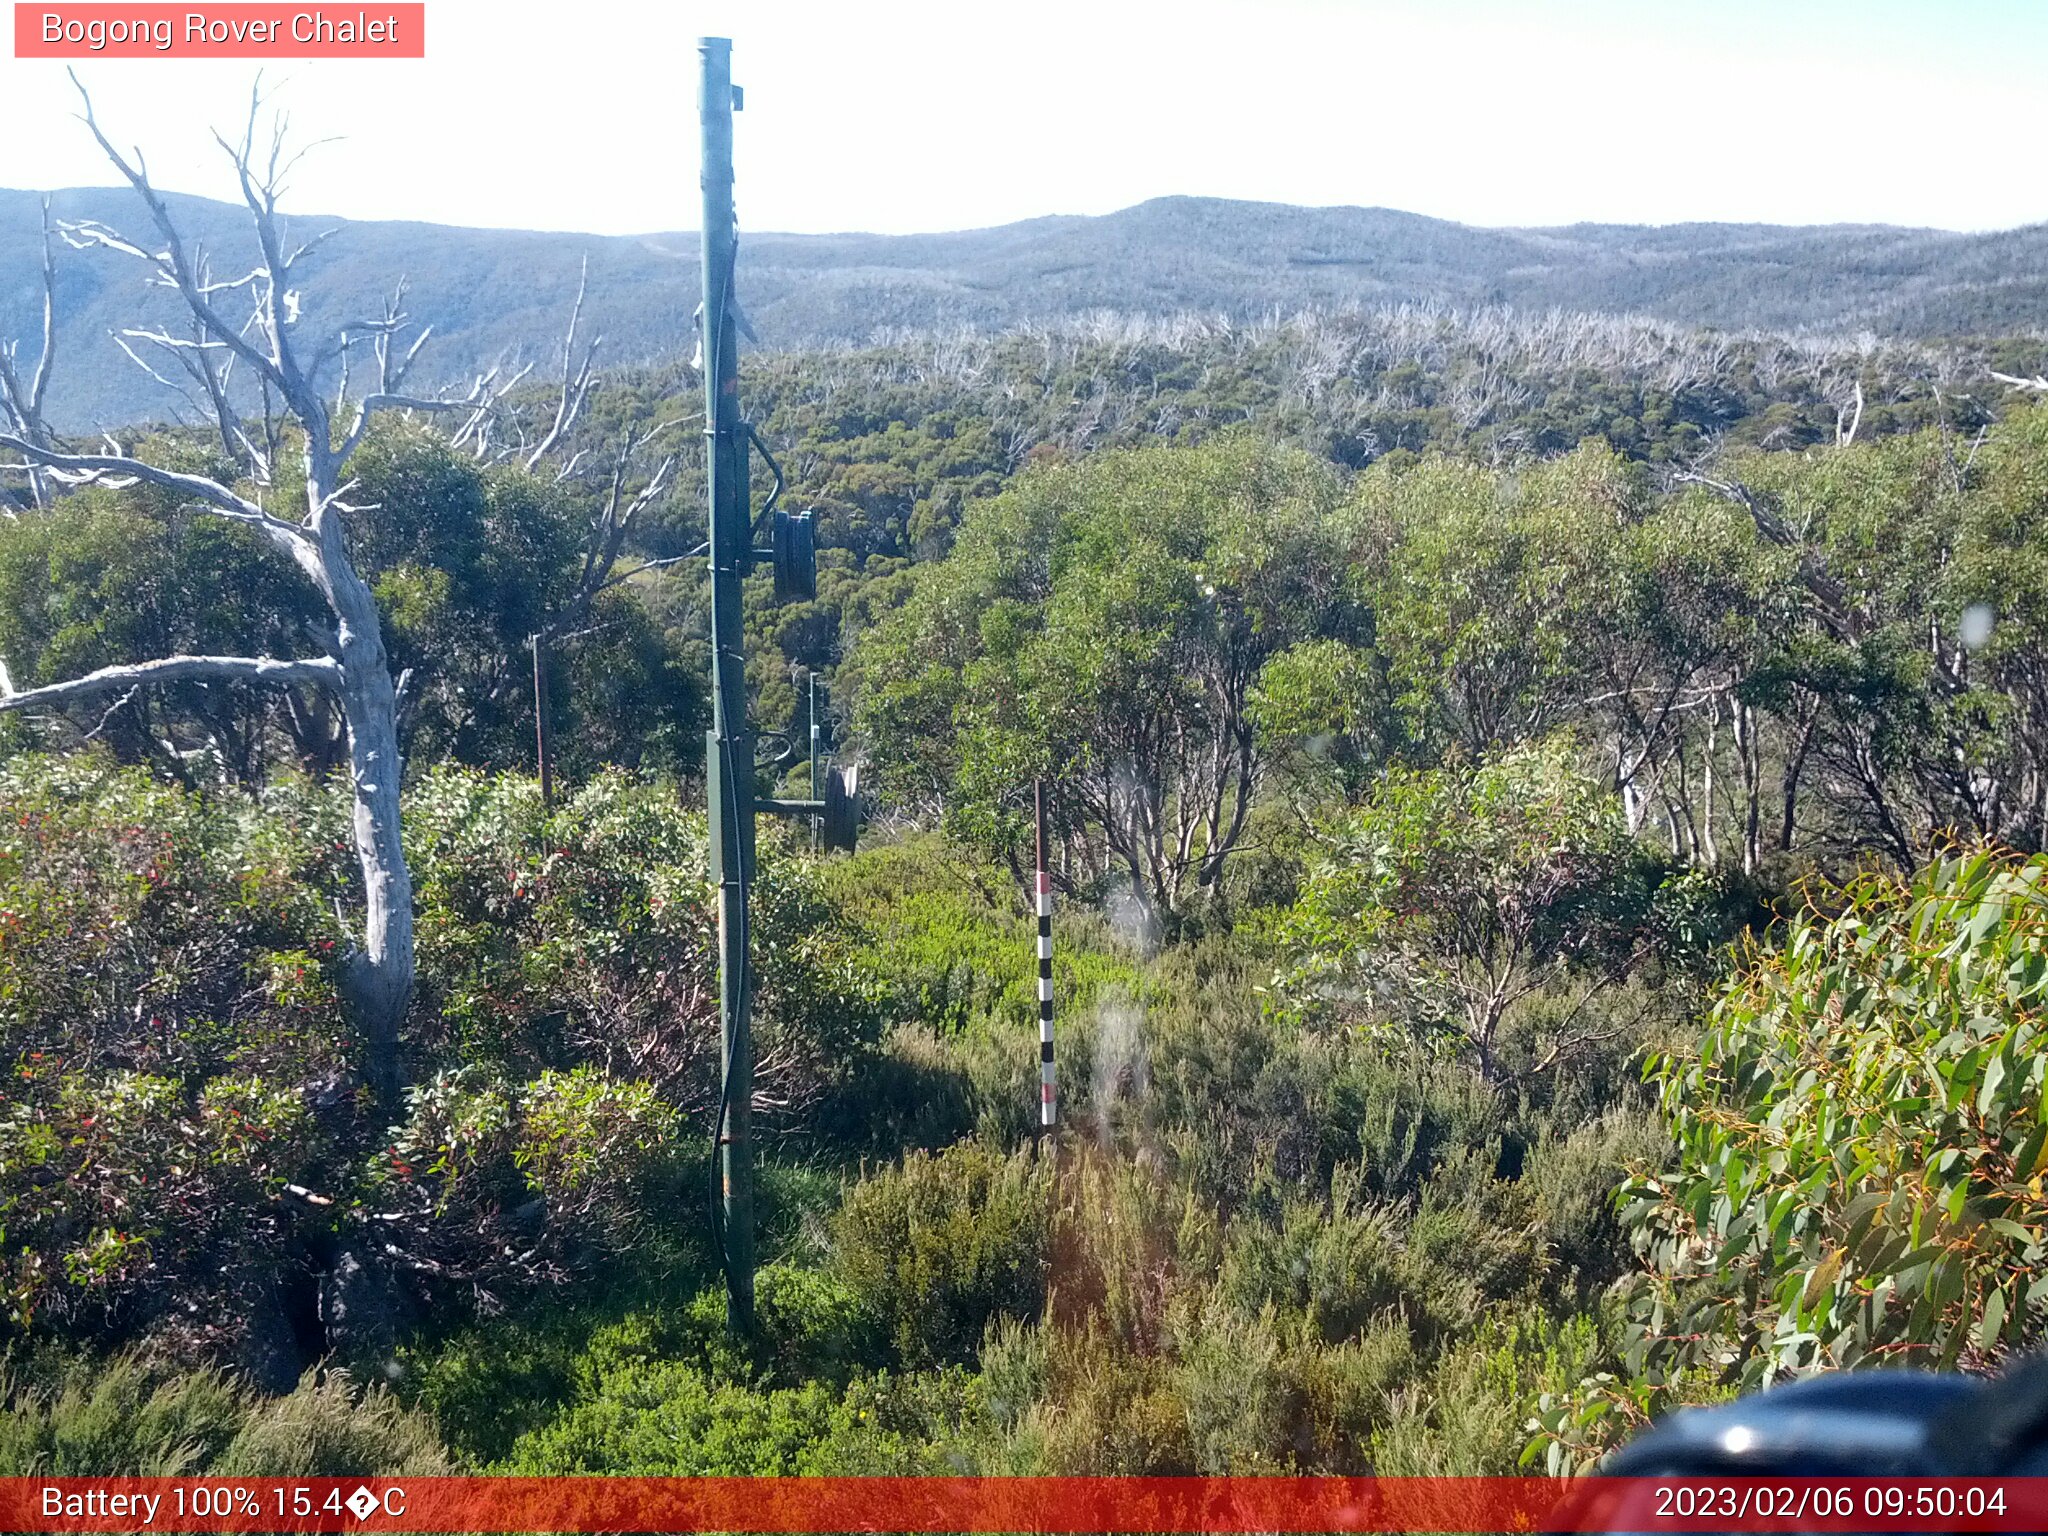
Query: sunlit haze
x=913 y=116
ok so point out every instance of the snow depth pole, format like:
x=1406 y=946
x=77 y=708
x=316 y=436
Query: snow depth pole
x=1048 y=1103
x=729 y=759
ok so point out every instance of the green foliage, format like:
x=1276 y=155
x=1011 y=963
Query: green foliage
x=467 y=562
x=1503 y=751
x=1340 y=1265
x=563 y=1164
x=1859 y=1139
x=939 y=1247
x=166 y=969
x=103 y=578
x=329 y=1427
x=184 y=1133
x=487 y=1386
x=670 y=1420
x=1467 y=1417
x=589 y=932
x=943 y=935
x=1454 y=895
x=1481 y=584
x=125 y=1418
x=129 y=1417
x=1101 y=625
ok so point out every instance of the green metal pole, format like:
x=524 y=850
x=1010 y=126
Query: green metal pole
x=729 y=768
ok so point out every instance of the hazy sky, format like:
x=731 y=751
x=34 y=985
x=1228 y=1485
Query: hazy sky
x=900 y=115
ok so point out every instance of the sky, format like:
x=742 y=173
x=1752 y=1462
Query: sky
x=904 y=115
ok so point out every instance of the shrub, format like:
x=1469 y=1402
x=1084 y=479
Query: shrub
x=487 y=1183
x=1469 y=1415
x=329 y=1427
x=1340 y=1394
x=1107 y=1411
x=185 y=1137
x=588 y=934
x=668 y=1419
x=1853 y=1176
x=1455 y=893
x=1231 y=1091
x=951 y=939
x=940 y=1246
x=1233 y=1385
x=1129 y=1249
x=176 y=1046
x=489 y=1385
x=1572 y=1178
x=1858 y=1141
x=1338 y=1267
x=125 y=1417
x=131 y=1416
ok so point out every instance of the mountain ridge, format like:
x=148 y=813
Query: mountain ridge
x=493 y=292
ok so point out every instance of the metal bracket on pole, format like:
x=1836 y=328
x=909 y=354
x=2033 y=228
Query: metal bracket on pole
x=837 y=810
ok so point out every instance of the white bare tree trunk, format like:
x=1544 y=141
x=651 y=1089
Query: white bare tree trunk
x=382 y=970
x=354 y=668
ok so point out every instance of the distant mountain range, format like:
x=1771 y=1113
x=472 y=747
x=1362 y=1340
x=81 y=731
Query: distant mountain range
x=489 y=293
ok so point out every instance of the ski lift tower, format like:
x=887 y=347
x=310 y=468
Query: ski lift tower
x=729 y=763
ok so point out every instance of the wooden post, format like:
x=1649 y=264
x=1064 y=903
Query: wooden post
x=542 y=741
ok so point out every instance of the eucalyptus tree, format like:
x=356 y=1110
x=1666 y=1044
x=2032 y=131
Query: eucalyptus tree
x=1104 y=624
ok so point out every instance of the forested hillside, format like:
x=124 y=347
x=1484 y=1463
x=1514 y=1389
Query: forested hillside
x=494 y=293
x=1548 y=817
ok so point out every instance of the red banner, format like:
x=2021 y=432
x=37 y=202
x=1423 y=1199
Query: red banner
x=1047 y=1504
x=224 y=31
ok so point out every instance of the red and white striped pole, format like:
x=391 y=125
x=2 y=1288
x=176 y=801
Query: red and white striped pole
x=1048 y=1103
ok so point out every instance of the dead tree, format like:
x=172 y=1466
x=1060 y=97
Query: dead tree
x=350 y=666
x=23 y=403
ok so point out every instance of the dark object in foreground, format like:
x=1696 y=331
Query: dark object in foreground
x=1855 y=1424
x=1859 y=1424
x=1845 y=1452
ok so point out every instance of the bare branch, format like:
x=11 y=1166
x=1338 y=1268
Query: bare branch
x=121 y=341
x=312 y=245
x=107 y=716
x=483 y=399
x=576 y=381
x=1845 y=423
x=177 y=669
x=24 y=406
x=42 y=376
x=173 y=263
x=369 y=405
x=221 y=501
x=650 y=565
